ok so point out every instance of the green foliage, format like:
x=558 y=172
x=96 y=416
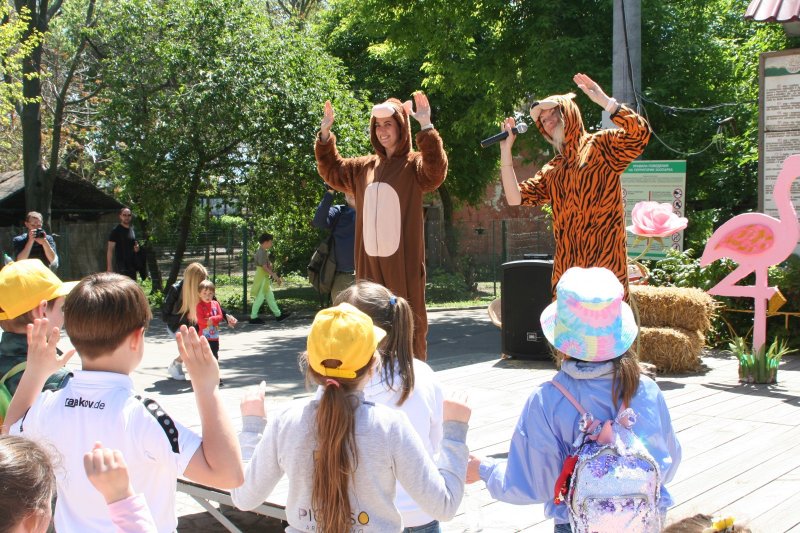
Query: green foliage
x=682 y=269
x=761 y=367
x=212 y=98
x=476 y=60
x=14 y=46
x=155 y=299
x=786 y=277
x=482 y=60
x=704 y=56
x=16 y=43
x=229 y=222
x=448 y=287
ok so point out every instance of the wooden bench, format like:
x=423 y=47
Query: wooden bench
x=205 y=495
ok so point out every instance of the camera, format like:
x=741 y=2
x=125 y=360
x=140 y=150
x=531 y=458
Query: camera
x=38 y=233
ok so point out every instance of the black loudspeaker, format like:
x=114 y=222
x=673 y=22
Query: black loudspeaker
x=525 y=292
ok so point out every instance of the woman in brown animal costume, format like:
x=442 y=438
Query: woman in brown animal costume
x=388 y=187
x=582 y=182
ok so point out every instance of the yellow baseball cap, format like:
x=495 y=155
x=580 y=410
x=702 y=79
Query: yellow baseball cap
x=25 y=283
x=344 y=334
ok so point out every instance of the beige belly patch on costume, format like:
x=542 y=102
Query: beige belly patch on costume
x=380 y=220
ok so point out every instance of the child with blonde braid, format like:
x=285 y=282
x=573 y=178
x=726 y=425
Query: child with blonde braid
x=403 y=382
x=343 y=455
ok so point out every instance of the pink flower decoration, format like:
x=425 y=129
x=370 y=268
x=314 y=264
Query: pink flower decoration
x=652 y=219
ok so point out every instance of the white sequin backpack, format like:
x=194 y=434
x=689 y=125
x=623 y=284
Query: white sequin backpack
x=616 y=484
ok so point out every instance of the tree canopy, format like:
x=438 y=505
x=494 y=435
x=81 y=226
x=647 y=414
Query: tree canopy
x=15 y=44
x=169 y=102
x=211 y=97
x=482 y=60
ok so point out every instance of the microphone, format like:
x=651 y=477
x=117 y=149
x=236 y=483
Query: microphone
x=519 y=128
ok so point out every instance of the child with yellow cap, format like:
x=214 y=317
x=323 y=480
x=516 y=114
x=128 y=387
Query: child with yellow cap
x=343 y=455
x=28 y=290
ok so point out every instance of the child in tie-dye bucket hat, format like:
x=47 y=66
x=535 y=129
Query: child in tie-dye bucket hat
x=592 y=330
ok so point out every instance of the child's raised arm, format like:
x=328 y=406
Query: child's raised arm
x=218 y=461
x=43 y=360
x=108 y=473
x=254 y=419
x=438 y=493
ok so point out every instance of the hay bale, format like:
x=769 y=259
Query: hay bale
x=675 y=307
x=671 y=350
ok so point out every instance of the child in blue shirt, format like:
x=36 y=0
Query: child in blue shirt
x=592 y=330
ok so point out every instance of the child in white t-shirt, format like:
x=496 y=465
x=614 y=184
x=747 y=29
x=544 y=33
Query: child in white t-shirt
x=105 y=316
x=403 y=382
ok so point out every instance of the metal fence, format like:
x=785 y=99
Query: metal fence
x=221 y=252
x=479 y=251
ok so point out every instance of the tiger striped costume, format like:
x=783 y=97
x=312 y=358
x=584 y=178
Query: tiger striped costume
x=582 y=184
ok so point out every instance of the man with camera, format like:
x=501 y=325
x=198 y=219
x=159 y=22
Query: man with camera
x=35 y=243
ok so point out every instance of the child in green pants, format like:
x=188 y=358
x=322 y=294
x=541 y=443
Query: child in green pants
x=262 y=288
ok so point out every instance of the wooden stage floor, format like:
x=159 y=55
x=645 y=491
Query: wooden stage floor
x=740 y=442
x=740 y=445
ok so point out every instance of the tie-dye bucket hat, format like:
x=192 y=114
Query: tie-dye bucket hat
x=589 y=321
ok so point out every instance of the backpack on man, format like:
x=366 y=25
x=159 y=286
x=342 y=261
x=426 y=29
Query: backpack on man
x=611 y=483
x=322 y=266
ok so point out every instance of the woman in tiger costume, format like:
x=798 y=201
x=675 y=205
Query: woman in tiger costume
x=582 y=182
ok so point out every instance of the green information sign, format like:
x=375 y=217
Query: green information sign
x=656 y=181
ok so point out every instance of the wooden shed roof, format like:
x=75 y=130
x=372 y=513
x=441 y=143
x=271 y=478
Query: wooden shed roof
x=72 y=195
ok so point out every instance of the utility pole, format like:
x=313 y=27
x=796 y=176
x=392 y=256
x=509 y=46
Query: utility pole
x=627 y=54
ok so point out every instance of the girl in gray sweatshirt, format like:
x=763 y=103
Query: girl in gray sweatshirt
x=342 y=454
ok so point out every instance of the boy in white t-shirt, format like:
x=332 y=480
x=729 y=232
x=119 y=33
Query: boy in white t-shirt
x=105 y=316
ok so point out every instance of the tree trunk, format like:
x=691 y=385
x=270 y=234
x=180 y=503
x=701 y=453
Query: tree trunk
x=152 y=263
x=38 y=184
x=183 y=225
x=450 y=241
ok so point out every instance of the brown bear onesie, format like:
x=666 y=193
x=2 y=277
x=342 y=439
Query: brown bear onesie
x=389 y=242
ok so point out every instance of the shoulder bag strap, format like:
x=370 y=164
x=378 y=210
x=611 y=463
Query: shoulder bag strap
x=16 y=369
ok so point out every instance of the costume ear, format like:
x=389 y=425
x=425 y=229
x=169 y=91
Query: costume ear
x=408 y=105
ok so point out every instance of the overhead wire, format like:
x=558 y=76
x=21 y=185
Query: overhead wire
x=640 y=99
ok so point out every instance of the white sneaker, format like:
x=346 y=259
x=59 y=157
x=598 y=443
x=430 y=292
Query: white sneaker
x=175 y=371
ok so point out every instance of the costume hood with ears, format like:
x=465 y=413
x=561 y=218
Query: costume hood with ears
x=573 y=122
x=401 y=112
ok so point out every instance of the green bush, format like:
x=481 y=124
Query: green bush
x=447 y=287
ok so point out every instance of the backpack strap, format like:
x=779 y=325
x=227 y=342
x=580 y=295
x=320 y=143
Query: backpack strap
x=16 y=369
x=588 y=422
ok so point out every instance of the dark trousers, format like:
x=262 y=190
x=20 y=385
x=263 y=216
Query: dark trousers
x=214 y=345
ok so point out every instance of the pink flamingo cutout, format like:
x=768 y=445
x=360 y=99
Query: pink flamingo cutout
x=757 y=241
